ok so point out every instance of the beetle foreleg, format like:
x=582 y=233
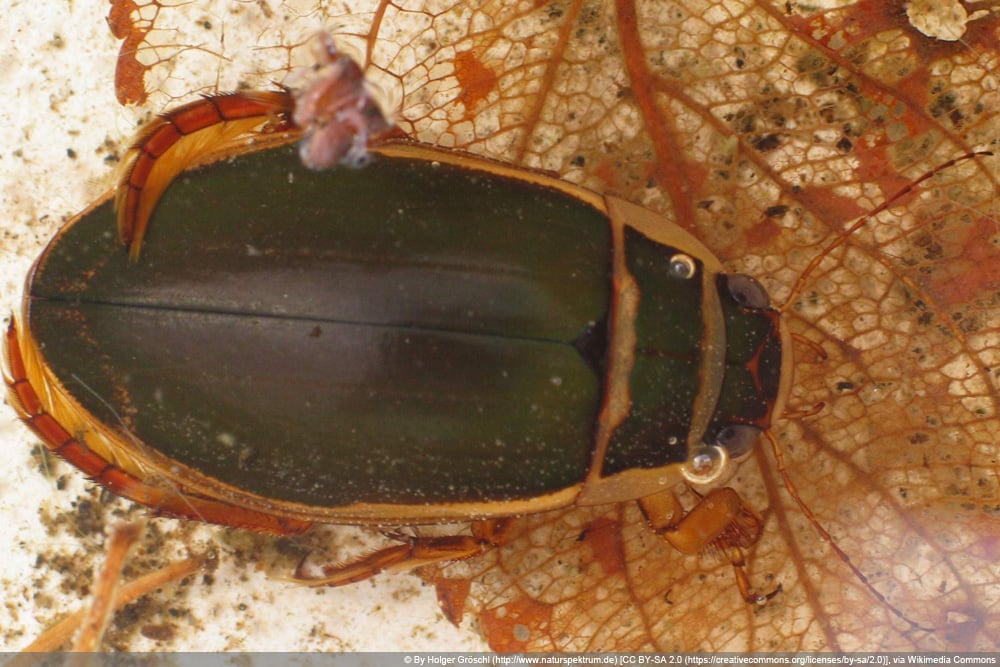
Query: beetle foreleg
x=720 y=520
x=413 y=553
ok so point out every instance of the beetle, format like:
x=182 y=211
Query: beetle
x=483 y=342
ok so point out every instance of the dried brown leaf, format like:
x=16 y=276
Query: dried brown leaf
x=717 y=114
x=765 y=129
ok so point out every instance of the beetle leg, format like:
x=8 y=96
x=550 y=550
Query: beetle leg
x=175 y=141
x=720 y=520
x=37 y=401
x=413 y=553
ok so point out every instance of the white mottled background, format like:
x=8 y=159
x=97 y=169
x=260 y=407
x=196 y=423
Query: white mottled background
x=61 y=128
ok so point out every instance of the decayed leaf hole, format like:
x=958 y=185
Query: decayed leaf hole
x=764 y=129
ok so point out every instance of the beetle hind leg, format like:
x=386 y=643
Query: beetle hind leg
x=414 y=552
x=720 y=521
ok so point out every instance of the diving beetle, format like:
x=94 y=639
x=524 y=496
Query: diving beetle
x=429 y=337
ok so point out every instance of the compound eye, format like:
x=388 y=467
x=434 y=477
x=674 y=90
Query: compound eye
x=706 y=464
x=746 y=291
x=683 y=266
x=738 y=439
